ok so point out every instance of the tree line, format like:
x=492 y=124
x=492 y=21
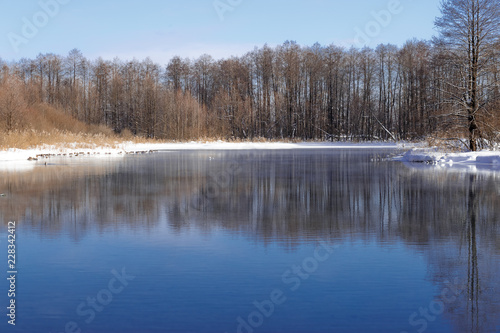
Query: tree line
x=421 y=89
x=289 y=91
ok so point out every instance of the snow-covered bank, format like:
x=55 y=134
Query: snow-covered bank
x=221 y=145
x=433 y=156
x=26 y=159
x=129 y=147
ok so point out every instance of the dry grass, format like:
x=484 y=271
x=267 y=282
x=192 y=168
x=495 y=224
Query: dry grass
x=64 y=139
x=32 y=139
x=48 y=126
x=96 y=137
x=452 y=145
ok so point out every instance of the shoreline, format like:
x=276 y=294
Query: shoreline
x=15 y=160
x=15 y=154
x=25 y=159
x=436 y=159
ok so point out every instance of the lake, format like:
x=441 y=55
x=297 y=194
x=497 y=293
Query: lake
x=330 y=240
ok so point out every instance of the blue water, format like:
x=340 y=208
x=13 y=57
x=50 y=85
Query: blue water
x=253 y=241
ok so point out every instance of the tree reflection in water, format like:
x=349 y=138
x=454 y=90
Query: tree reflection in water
x=282 y=196
x=473 y=288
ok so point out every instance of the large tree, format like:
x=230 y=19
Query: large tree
x=469 y=32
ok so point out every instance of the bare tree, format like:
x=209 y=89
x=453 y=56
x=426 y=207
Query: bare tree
x=469 y=30
x=289 y=91
x=73 y=68
x=12 y=103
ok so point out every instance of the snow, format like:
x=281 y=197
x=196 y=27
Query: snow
x=24 y=159
x=18 y=159
x=488 y=159
x=221 y=145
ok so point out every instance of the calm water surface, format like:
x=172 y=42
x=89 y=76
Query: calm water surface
x=252 y=241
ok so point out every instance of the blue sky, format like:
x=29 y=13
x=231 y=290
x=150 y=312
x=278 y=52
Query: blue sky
x=161 y=29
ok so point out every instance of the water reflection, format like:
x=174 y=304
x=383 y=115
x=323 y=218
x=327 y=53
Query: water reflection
x=473 y=287
x=473 y=258
x=287 y=197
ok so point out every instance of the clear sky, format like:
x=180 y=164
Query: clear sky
x=161 y=29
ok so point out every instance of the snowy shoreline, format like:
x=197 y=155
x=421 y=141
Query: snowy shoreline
x=17 y=159
x=435 y=156
x=18 y=155
x=26 y=159
x=434 y=159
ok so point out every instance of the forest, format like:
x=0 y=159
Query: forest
x=289 y=92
